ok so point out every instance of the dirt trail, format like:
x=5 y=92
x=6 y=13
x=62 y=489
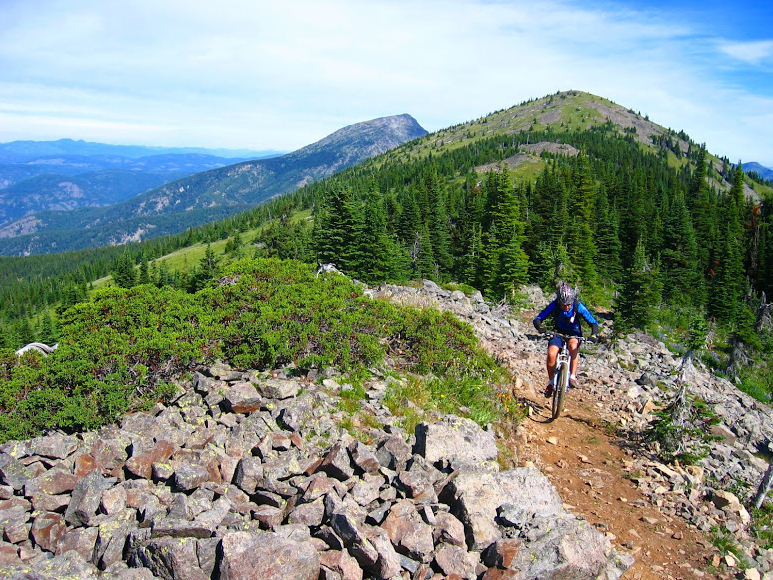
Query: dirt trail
x=588 y=465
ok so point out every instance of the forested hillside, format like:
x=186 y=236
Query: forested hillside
x=646 y=221
x=206 y=196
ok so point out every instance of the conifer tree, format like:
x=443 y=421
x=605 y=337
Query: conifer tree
x=165 y=277
x=208 y=269
x=632 y=222
x=554 y=265
x=423 y=263
x=409 y=222
x=639 y=294
x=143 y=276
x=506 y=262
x=438 y=226
x=123 y=272
x=382 y=260
x=728 y=282
x=699 y=204
x=736 y=189
x=470 y=263
x=680 y=268
x=209 y=263
x=47 y=334
x=607 y=238
x=469 y=234
x=579 y=239
x=338 y=232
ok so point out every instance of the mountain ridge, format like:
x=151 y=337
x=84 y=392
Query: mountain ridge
x=230 y=189
x=761 y=170
x=26 y=151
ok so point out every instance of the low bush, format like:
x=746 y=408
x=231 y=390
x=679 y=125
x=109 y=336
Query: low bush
x=121 y=350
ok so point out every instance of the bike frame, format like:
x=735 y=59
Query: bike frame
x=561 y=371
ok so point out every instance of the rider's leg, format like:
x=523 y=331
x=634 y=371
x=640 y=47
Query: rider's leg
x=550 y=362
x=574 y=350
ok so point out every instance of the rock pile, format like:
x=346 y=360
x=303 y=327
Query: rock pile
x=251 y=475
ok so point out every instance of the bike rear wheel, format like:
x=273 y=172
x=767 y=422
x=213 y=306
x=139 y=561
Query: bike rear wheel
x=560 y=390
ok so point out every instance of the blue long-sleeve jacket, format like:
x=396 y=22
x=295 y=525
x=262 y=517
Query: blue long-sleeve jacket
x=568 y=322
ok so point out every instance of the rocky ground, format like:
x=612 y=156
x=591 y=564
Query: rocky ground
x=264 y=475
x=660 y=514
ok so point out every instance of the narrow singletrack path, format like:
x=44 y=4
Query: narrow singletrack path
x=591 y=468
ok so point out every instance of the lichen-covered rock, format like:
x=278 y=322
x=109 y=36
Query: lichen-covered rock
x=266 y=556
x=408 y=532
x=14 y=473
x=455 y=440
x=53 y=446
x=569 y=548
x=170 y=558
x=242 y=397
x=47 y=529
x=86 y=497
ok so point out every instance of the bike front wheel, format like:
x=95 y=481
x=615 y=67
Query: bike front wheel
x=560 y=390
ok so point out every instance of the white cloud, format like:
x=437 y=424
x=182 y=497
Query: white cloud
x=754 y=52
x=241 y=73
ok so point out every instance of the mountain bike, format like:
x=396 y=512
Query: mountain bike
x=561 y=373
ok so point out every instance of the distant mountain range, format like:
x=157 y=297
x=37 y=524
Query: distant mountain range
x=69 y=222
x=761 y=170
x=38 y=176
x=30 y=151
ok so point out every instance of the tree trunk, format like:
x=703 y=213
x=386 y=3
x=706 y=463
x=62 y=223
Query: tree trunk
x=762 y=490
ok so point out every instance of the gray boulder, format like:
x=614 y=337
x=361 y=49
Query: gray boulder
x=266 y=556
x=456 y=441
x=86 y=497
x=170 y=558
x=475 y=496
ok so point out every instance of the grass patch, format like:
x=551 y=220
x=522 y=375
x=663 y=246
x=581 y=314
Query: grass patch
x=725 y=543
x=761 y=526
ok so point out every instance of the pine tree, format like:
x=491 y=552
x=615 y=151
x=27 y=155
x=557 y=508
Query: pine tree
x=728 y=282
x=736 y=189
x=338 y=232
x=607 y=238
x=682 y=278
x=699 y=204
x=632 y=222
x=506 y=262
x=144 y=275
x=208 y=269
x=123 y=272
x=47 y=334
x=469 y=235
x=579 y=240
x=439 y=224
x=470 y=263
x=422 y=260
x=639 y=294
x=409 y=222
x=382 y=260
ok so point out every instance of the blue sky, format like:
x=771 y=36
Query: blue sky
x=280 y=75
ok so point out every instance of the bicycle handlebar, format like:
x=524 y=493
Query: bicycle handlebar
x=551 y=334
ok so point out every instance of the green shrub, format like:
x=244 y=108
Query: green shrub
x=121 y=350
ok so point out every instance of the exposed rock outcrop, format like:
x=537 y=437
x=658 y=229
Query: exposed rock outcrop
x=249 y=475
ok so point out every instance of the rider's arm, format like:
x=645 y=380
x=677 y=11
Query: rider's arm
x=543 y=315
x=589 y=318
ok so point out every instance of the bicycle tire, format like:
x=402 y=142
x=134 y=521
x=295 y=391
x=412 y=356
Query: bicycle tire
x=560 y=390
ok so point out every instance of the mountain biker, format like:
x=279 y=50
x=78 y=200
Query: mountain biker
x=565 y=310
